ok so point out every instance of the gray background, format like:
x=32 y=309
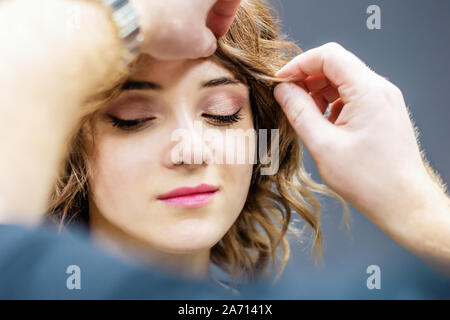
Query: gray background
x=412 y=50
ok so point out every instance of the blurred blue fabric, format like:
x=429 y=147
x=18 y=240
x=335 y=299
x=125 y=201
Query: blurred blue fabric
x=33 y=265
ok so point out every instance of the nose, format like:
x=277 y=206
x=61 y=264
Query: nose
x=187 y=146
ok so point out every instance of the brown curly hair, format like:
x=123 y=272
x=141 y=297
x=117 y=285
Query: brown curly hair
x=253 y=49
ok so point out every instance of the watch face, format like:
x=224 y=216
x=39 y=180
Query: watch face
x=127 y=21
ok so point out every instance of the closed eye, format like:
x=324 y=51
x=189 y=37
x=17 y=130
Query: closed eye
x=135 y=124
x=128 y=124
x=224 y=120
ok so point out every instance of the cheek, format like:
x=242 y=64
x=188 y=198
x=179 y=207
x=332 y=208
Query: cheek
x=237 y=174
x=237 y=180
x=116 y=162
x=120 y=171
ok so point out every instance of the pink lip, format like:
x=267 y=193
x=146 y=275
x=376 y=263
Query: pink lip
x=190 y=197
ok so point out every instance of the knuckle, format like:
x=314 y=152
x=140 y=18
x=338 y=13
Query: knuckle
x=291 y=105
x=388 y=90
x=335 y=53
x=297 y=116
x=293 y=110
x=396 y=90
x=333 y=46
x=175 y=26
x=391 y=88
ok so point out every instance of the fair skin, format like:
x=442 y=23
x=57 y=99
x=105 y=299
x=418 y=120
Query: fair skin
x=367 y=150
x=86 y=41
x=417 y=216
x=176 y=29
x=132 y=164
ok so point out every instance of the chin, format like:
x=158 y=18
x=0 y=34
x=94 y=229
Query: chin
x=184 y=249
x=186 y=242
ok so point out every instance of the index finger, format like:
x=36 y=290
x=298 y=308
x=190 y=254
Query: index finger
x=339 y=65
x=221 y=16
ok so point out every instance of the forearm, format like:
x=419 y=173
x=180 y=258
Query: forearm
x=423 y=226
x=49 y=69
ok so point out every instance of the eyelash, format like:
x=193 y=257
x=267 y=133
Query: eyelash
x=128 y=124
x=224 y=120
x=137 y=123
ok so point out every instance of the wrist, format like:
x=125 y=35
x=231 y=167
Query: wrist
x=49 y=67
x=148 y=17
x=419 y=215
x=97 y=47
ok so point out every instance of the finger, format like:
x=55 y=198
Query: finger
x=315 y=83
x=304 y=115
x=335 y=110
x=303 y=85
x=221 y=16
x=321 y=86
x=340 y=66
x=330 y=93
x=207 y=45
x=320 y=101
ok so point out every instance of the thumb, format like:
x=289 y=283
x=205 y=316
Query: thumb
x=207 y=45
x=305 y=117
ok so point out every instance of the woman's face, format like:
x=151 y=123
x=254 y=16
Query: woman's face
x=134 y=167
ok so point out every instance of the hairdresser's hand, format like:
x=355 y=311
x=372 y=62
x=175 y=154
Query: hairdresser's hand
x=58 y=55
x=175 y=29
x=367 y=150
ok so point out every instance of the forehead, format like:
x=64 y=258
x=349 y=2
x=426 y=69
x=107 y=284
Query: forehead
x=166 y=73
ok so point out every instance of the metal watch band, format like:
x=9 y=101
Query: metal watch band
x=127 y=21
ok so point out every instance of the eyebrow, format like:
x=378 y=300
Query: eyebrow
x=148 y=85
x=222 y=81
x=140 y=85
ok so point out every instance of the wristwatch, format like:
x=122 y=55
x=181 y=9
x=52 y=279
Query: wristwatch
x=127 y=21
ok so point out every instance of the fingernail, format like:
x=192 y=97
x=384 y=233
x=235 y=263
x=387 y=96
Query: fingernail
x=284 y=72
x=279 y=72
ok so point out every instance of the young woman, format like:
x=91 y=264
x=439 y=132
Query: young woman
x=122 y=179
